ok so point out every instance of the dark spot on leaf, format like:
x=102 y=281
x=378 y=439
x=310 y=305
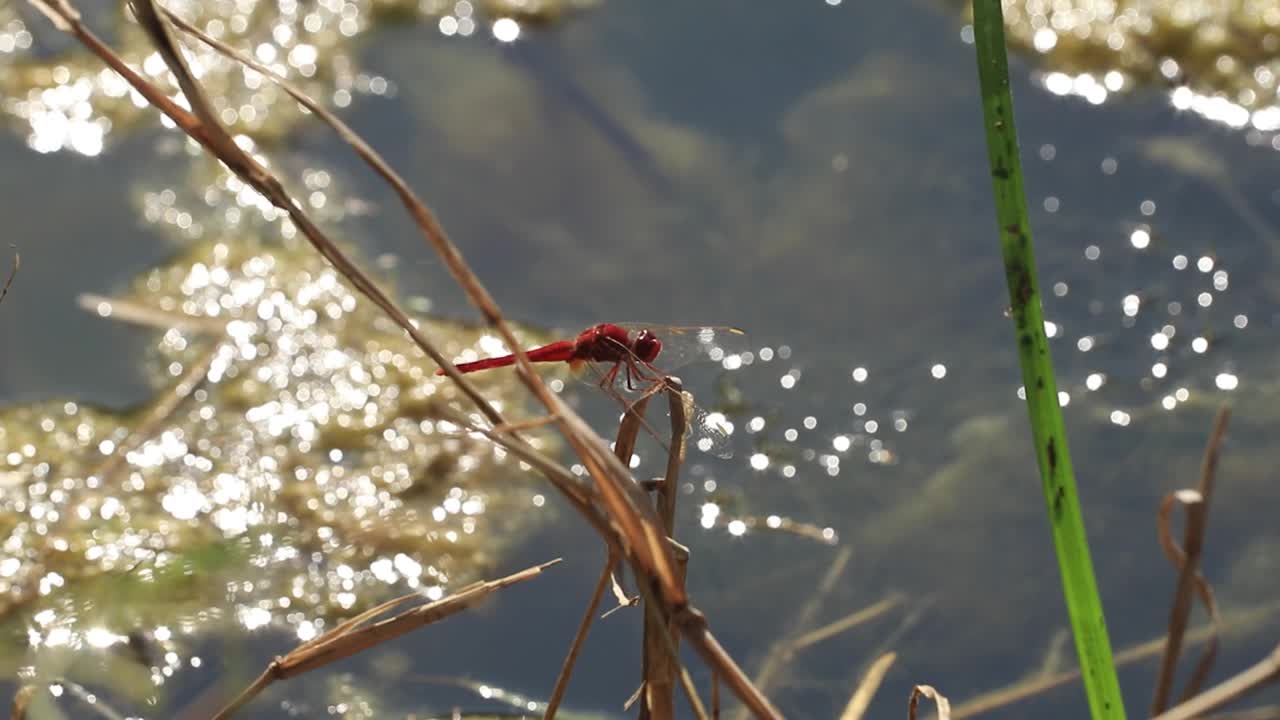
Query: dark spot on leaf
x=1052 y=450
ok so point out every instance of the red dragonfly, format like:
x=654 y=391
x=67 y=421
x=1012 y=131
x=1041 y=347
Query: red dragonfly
x=622 y=356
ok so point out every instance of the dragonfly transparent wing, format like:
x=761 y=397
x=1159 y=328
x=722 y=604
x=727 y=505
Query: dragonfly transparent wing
x=709 y=432
x=682 y=345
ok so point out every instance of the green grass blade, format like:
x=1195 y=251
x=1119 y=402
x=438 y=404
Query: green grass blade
x=1058 y=479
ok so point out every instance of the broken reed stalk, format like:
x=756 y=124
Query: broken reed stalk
x=1187 y=560
x=631 y=525
x=940 y=700
x=660 y=663
x=1265 y=672
x=354 y=636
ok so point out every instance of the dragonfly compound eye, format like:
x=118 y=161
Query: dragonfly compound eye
x=647 y=345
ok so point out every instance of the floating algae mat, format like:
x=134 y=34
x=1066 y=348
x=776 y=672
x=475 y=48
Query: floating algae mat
x=69 y=100
x=296 y=467
x=1223 y=55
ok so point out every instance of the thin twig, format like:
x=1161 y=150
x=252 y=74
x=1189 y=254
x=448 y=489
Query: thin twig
x=17 y=265
x=1265 y=672
x=584 y=626
x=1187 y=560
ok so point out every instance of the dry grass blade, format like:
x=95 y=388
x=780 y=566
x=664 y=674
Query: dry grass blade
x=1263 y=673
x=846 y=623
x=861 y=698
x=1187 y=560
x=17 y=265
x=940 y=700
x=352 y=637
x=146 y=316
x=90 y=700
x=1265 y=712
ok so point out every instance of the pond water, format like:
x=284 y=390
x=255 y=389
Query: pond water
x=813 y=172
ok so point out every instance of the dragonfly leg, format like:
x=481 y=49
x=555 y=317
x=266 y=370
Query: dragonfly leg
x=609 y=377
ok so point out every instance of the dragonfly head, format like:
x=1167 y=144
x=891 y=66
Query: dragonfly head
x=646 y=345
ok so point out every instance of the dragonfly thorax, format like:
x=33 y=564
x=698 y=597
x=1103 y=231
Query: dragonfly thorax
x=610 y=343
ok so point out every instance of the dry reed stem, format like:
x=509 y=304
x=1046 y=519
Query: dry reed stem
x=353 y=636
x=780 y=653
x=715 y=695
x=1187 y=560
x=657 y=615
x=624 y=446
x=1265 y=672
x=1022 y=690
x=861 y=698
x=639 y=536
x=940 y=700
